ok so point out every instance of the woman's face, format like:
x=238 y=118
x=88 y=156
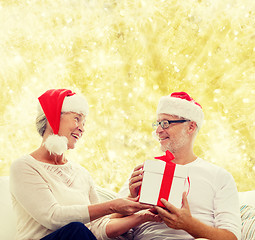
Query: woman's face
x=72 y=127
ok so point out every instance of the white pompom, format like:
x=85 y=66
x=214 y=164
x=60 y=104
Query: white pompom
x=56 y=144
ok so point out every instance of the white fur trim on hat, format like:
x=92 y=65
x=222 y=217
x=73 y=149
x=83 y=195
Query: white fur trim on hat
x=182 y=108
x=56 y=144
x=75 y=103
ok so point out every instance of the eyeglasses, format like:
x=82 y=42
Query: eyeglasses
x=166 y=123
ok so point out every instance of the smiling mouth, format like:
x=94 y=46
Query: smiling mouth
x=162 y=139
x=75 y=136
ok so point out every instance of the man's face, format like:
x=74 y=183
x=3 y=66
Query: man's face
x=175 y=137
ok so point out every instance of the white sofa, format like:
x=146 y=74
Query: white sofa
x=7 y=216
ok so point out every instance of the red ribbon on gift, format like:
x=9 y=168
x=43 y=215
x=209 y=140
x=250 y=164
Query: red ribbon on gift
x=167 y=176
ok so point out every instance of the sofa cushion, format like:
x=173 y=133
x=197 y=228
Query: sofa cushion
x=248 y=222
x=7 y=216
x=105 y=194
x=247 y=198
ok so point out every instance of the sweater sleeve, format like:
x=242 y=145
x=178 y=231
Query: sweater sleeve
x=98 y=226
x=32 y=192
x=226 y=204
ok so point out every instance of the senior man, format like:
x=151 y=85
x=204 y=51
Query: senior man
x=211 y=208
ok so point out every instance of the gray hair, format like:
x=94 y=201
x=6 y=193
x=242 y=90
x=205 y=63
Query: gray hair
x=41 y=122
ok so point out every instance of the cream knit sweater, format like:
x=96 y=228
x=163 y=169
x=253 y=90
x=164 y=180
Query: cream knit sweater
x=47 y=197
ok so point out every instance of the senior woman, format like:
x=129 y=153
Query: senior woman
x=54 y=197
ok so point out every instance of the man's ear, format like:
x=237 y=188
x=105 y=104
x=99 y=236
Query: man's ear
x=192 y=127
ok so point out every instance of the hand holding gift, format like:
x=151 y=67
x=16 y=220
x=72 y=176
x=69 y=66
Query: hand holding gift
x=135 y=181
x=174 y=217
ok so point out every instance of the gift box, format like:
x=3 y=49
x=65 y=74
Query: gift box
x=164 y=179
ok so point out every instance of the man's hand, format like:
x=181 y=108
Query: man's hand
x=174 y=217
x=135 y=181
x=182 y=219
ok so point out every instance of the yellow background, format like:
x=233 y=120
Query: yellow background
x=123 y=56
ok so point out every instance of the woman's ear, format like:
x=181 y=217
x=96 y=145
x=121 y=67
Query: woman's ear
x=48 y=129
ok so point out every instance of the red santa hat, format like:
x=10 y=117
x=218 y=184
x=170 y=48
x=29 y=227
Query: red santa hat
x=52 y=103
x=182 y=105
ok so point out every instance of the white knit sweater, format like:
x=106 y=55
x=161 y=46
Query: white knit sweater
x=47 y=197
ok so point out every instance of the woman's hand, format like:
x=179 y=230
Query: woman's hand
x=135 y=181
x=120 y=224
x=128 y=206
x=149 y=215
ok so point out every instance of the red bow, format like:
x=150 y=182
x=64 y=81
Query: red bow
x=168 y=157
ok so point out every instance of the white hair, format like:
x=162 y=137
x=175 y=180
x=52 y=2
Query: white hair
x=41 y=123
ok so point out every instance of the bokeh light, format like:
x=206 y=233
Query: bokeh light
x=123 y=56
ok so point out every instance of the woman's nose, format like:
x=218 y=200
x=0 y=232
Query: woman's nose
x=81 y=127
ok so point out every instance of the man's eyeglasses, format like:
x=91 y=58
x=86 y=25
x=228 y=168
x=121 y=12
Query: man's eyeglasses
x=166 y=123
